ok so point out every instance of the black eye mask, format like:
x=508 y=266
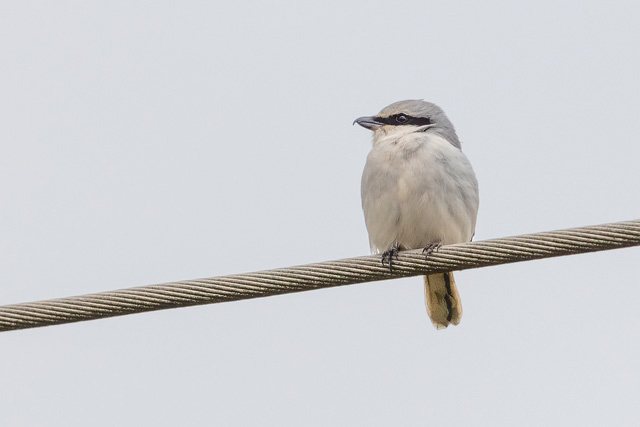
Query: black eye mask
x=404 y=119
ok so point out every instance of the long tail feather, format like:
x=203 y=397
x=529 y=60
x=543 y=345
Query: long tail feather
x=442 y=298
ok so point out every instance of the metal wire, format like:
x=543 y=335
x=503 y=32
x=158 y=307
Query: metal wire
x=321 y=275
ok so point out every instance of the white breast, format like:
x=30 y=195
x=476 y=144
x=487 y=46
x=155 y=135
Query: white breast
x=418 y=189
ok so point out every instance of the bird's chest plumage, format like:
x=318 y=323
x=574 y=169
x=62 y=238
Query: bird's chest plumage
x=417 y=190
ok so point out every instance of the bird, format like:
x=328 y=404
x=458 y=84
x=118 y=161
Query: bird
x=419 y=190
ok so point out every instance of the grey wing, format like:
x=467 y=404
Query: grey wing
x=380 y=206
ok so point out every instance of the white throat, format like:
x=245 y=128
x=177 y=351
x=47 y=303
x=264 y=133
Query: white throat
x=394 y=133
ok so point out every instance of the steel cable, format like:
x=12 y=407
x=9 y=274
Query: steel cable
x=320 y=275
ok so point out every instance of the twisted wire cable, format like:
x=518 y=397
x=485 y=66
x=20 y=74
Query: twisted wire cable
x=320 y=275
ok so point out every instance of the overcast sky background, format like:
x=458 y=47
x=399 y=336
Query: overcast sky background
x=145 y=142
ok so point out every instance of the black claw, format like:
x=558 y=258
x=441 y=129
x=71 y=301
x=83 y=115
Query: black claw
x=387 y=257
x=431 y=248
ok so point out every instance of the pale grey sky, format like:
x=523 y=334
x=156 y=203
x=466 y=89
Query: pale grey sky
x=145 y=142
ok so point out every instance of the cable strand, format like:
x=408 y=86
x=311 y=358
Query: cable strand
x=320 y=275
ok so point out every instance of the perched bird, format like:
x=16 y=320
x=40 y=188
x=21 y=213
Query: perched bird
x=419 y=191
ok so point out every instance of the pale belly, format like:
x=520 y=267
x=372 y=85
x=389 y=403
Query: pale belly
x=417 y=194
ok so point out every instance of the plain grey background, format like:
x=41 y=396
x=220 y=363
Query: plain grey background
x=145 y=142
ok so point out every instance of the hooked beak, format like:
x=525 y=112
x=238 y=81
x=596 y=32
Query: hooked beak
x=368 y=122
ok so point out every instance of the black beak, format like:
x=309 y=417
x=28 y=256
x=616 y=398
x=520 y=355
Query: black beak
x=368 y=122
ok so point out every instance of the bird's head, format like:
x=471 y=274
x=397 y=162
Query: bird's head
x=413 y=115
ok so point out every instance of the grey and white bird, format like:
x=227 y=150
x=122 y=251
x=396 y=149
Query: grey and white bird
x=419 y=191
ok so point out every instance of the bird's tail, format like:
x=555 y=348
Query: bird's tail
x=443 y=301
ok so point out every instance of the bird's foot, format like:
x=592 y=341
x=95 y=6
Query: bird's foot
x=388 y=256
x=430 y=248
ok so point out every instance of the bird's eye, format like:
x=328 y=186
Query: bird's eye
x=401 y=118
